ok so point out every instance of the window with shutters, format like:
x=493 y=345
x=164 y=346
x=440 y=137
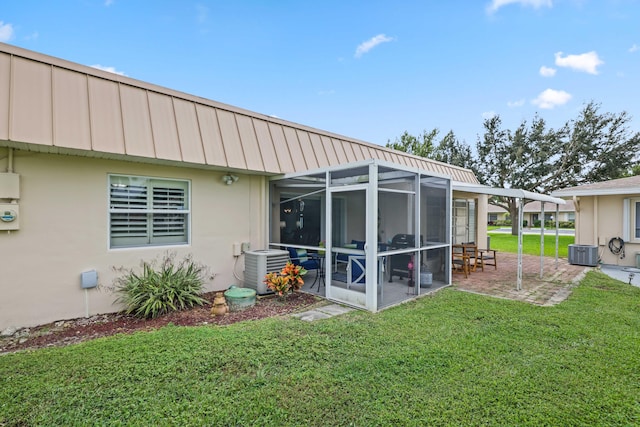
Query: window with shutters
x=147 y=211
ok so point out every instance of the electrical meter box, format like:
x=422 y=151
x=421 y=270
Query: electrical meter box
x=9 y=216
x=9 y=185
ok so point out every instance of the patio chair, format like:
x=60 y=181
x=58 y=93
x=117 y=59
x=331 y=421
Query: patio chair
x=344 y=258
x=356 y=272
x=459 y=260
x=356 y=269
x=488 y=257
x=475 y=260
x=307 y=261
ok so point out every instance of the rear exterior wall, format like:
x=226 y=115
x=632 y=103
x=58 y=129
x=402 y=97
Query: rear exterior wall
x=601 y=218
x=64 y=230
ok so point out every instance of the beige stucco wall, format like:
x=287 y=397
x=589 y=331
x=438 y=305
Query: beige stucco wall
x=599 y=219
x=64 y=231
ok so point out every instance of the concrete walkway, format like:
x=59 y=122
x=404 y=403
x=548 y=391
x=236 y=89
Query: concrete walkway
x=323 y=312
x=628 y=275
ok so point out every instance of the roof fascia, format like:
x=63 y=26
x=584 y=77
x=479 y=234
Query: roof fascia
x=361 y=163
x=506 y=192
x=597 y=192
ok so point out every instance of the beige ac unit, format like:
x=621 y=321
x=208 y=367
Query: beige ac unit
x=258 y=263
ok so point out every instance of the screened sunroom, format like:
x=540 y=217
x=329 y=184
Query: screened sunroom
x=376 y=233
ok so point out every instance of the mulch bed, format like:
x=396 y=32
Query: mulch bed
x=73 y=331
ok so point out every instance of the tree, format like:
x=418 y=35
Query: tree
x=422 y=145
x=634 y=171
x=597 y=147
x=451 y=150
x=448 y=150
x=594 y=147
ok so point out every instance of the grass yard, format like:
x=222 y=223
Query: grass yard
x=505 y=242
x=454 y=358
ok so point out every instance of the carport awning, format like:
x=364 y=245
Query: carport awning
x=505 y=192
x=521 y=195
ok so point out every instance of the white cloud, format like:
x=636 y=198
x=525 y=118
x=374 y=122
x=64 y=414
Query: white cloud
x=365 y=47
x=326 y=92
x=634 y=48
x=488 y=115
x=6 y=32
x=536 y=4
x=586 y=62
x=33 y=36
x=518 y=103
x=108 y=2
x=551 y=98
x=547 y=71
x=109 y=69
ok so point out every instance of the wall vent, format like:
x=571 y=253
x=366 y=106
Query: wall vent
x=583 y=255
x=258 y=263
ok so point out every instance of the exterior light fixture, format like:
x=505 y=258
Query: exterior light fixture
x=229 y=179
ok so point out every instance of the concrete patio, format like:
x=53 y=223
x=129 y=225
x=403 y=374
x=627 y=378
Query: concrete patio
x=553 y=288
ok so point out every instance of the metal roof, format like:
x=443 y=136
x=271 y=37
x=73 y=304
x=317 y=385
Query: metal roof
x=52 y=105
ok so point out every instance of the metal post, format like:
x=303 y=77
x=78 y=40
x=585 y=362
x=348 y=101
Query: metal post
x=557 y=232
x=542 y=239
x=520 y=219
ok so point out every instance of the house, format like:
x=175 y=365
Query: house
x=100 y=171
x=608 y=216
x=533 y=212
x=496 y=213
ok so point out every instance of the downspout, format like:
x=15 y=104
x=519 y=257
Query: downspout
x=10 y=160
x=576 y=223
x=596 y=220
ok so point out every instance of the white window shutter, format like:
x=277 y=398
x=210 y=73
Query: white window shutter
x=626 y=219
x=146 y=211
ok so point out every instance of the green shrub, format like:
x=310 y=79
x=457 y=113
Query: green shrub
x=161 y=287
x=552 y=224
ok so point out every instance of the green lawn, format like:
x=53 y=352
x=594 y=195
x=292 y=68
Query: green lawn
x=505 y=242
x=454 y=358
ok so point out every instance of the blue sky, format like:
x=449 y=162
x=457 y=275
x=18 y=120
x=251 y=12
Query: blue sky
x=365 y=69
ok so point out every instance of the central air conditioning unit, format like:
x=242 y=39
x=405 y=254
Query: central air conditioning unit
x=258 y=263
x=583 y=255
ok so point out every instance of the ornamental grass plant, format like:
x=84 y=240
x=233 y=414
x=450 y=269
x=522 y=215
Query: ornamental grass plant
x=162 y=286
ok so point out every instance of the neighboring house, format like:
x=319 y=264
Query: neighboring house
x=608 y=210
x=533 y=212
x=496 y=213
x=99 y=170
